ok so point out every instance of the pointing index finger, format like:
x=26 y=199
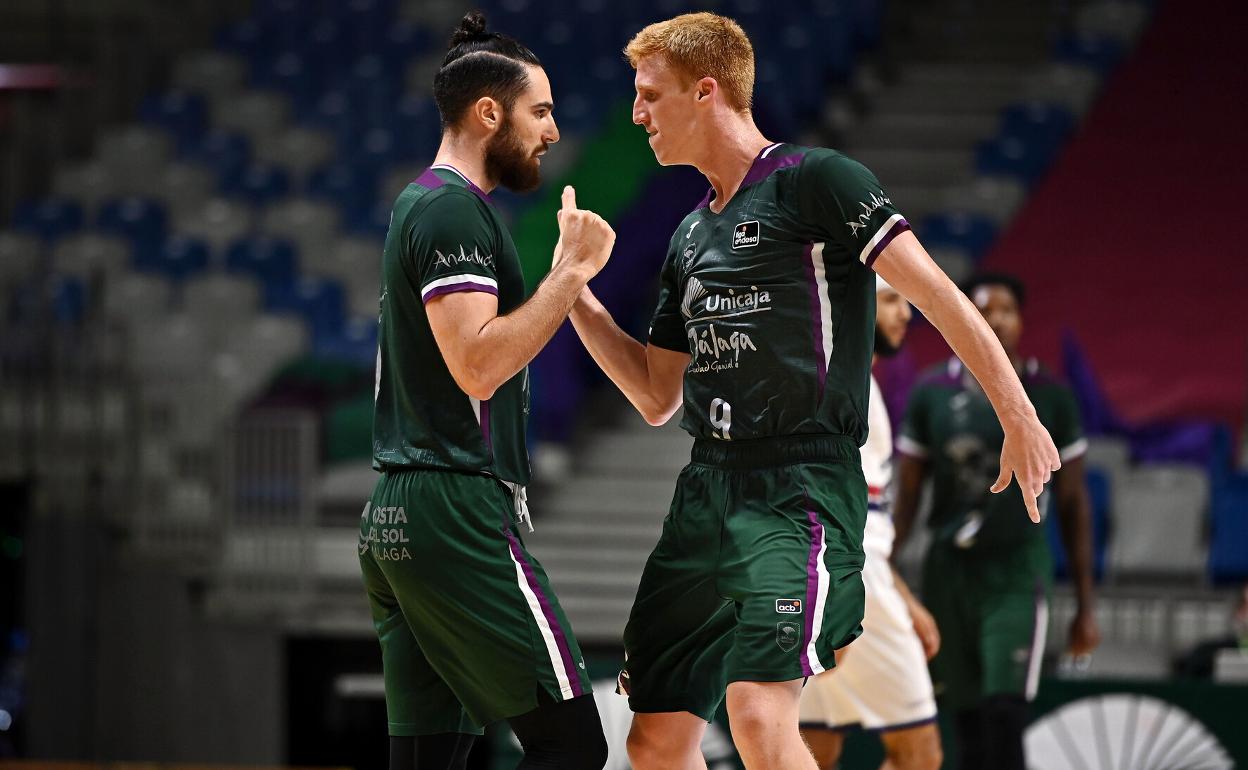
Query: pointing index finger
x=569 y=198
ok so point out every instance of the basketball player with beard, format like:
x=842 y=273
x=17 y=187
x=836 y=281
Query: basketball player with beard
x=882 y=684
x=470 y=630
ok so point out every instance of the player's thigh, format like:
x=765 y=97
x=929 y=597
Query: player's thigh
x=954 y=603
x=665 y=739
x=479 y=605
x=679 y=629
x=1014 y=626
x=418 y=701
x=792 y=564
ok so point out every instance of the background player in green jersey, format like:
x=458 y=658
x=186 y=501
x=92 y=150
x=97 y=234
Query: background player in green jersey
x=987 y=573
x=470 y=630
x=765 y=323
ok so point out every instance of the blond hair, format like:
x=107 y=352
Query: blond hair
x=700 y=45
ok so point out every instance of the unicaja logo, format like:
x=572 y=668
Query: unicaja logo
x=694 y=291
x=726 y=303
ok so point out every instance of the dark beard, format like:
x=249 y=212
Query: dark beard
x=884 y=348
x=509 y=163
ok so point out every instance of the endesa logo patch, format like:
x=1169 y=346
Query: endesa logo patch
x=789 y=606
x=745 y=235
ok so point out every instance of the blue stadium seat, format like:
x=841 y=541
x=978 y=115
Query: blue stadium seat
x=1228 y=537
x=321 y=302
x=50 y=218
x=1013 y=156
x=1100 y=494
x=273 y=260
x=414 y=122
x=404 y=41
x=287 y=71
x=356 y=342
x=969 y=232
x=226 y=152
x=180 y=258
x=351 y=186
x=258 y=184
x=335 y=112
x=250 y=38
x=182 y=113
x=373 y=221
x=1037 y=123
x=141 y=221
x=1098 y=52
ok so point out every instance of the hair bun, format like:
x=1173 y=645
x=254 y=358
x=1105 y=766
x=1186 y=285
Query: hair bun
x=471 y=28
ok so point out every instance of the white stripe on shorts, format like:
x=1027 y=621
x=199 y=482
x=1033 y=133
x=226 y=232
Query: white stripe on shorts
x=548 y=636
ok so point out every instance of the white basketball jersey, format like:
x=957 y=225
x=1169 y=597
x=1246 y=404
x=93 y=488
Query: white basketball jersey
x=877 y=468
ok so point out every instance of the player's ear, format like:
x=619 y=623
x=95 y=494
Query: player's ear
x=488 y=113
x=705 y=89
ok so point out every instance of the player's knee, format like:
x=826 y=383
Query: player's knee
x=925 y=758
x=652 y=748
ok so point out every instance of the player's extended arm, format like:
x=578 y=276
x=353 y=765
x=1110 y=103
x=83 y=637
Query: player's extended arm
x=483 y=349
x=1074 y=516
x=650 y=377
x=1028 y=453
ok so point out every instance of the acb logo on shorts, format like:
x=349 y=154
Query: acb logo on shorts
x=789 y=606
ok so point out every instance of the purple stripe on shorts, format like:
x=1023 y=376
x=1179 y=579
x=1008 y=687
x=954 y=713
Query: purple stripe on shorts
x=816 y=320
x=812 y=590
x=561 y=639
x=485 y=424
x=451 y=288
x=899 y=227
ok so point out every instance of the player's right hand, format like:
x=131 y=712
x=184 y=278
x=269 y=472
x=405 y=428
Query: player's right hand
x=586 y=238
x=1028 y=455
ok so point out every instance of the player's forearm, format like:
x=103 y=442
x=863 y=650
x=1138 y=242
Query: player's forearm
x=1074 y=516
x=507 y=343
x=622 y=358
x=906 y=505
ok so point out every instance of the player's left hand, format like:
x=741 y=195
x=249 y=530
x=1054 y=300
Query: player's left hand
x=925 y=627
x=1028 y=455
x=1085 y=635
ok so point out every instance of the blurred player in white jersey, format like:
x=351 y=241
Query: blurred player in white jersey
x=880 y=683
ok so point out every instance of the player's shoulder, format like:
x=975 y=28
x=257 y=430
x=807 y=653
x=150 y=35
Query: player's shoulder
x=448 y=208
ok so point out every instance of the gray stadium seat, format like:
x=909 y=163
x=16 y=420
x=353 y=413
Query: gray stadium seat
x=1115 y=18
x=356 y=261
x=220 y=300
x=993 y=196
x=133 y=153
x=168 y=347
x=298 y=150
x=259 y=114
x=136 y=297
x=268 y=342
x=89 y=255
x=182 y=187
x=217 y=221
x=89 y=183
x=1159 y=522
x=19 y=256
x=1069 y=85
x=212 y=73
x=397 y=179
x=312 y=225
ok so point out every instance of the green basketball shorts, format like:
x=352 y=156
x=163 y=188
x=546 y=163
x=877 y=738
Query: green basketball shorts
x=757 y=575
x=993 y=619
x=470 y=629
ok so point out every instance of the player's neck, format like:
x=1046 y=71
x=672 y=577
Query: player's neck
x=466 y=157
x=731 y=151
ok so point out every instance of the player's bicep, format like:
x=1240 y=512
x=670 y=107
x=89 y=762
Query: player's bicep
x=456 y=319
x=909 y=269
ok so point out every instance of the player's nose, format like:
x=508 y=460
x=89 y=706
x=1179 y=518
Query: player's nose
x=639 y=115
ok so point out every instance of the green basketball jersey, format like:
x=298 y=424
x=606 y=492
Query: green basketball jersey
x=950 y=423
x=774 y=298
x=445 y=236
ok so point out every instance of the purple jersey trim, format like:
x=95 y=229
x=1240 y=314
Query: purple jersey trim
x=451 y=288
x=760 y=169
x=899 y=227
x=812 y=590
x=430 y=179
x=548 y=610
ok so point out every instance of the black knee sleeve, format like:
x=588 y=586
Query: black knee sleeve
x=969 y=725
x=1005 y=721
x=566 y=735
x=443 y=751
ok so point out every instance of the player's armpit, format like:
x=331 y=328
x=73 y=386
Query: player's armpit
x=457 y=320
